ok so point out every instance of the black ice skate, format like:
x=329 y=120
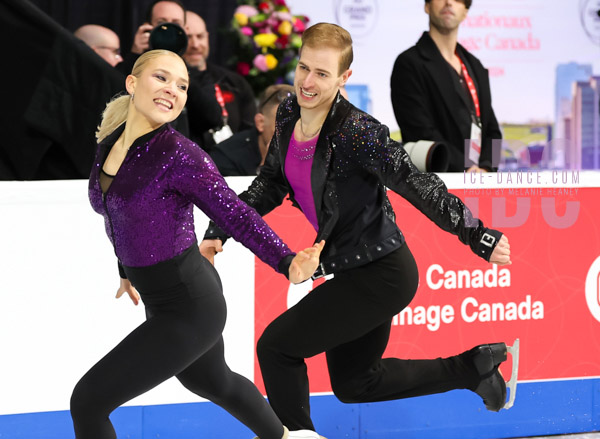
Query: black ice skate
x=492 y=387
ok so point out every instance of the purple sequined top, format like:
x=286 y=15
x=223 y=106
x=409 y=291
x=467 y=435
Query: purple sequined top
x=148 y=208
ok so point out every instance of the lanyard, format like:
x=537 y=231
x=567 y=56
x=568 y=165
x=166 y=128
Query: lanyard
x=471 y=86
x=221 y=101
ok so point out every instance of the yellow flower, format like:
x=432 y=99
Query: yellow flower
x=242 y=19
x=285 y=28
x=265 y=40
x=271 y=61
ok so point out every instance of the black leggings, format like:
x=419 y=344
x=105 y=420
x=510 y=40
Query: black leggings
x=349 y=318
x=181 y=337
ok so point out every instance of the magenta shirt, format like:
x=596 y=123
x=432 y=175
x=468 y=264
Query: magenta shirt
x=298 y=164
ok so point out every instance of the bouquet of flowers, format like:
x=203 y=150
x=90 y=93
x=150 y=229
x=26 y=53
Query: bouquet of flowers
x=268 y=40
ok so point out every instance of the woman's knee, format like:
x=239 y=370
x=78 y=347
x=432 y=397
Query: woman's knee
x=90 y=399
x=82 y=403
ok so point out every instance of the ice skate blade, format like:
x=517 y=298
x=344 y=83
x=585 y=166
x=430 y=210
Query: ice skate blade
x=512 y=383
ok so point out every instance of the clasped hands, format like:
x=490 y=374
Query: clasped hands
x=302 y=267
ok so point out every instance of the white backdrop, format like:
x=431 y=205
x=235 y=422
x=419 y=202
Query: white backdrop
x=58 y=315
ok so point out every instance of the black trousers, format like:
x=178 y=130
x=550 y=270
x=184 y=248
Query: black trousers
x=349 y=318
x=181 y=337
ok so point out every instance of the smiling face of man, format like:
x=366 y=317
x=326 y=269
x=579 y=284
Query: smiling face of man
x=317 y=78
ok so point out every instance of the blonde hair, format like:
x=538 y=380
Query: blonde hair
x=117 y=109
x=330 y=35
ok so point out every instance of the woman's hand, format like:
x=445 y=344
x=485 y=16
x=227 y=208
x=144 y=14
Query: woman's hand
x=126 y=287
x=209 y=248
x=305 y=263
x=501 y=254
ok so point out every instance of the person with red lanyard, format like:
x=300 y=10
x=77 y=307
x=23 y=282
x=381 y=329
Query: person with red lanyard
x=441 y=92
x=335 y=162
x=232 y=93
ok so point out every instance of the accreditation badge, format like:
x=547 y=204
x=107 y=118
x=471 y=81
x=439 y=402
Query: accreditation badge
x=475 y=143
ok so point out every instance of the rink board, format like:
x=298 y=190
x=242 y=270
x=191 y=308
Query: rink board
x=58 y=316
x=542 y=409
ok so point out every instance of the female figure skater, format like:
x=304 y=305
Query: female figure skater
x=145 y=180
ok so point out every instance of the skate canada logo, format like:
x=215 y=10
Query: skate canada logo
x=473 y=308
x=592 y=289
x=590 y=19
x=358 y=16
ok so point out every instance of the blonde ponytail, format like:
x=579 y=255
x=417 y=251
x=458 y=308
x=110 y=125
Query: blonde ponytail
x=114 y=115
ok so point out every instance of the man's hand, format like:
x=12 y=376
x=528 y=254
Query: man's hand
x=126 y=287
x=210 y=247
x=305 y=263
x=501 y=254
x=141 y=39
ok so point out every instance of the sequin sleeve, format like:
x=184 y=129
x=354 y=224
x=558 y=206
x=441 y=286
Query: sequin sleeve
x=374 y=151
x=196 y=177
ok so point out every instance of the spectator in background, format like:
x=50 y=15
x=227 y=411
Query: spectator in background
x=244 y=153
x=441 y=92
x=231 y=91
x=101 y=40
x=158 y=12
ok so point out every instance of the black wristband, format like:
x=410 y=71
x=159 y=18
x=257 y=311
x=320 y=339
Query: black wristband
x=488 y=242
x=122 y=273
x=215 y=232
x=284 y=265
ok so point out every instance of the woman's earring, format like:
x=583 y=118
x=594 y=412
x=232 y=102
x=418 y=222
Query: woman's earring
x=132 y=97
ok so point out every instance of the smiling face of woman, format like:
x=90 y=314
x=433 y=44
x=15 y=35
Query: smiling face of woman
x=159 y=90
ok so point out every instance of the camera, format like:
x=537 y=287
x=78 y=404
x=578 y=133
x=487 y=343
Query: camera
x=428 y=156
x=169 y=36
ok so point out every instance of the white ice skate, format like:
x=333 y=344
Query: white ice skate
x=304 y=434
x=512 y=383
x=299 y=434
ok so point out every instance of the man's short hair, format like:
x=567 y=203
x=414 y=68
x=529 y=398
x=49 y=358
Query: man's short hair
x=467 y=3
x=151 y=7
x=330 y=35
x=273 y=96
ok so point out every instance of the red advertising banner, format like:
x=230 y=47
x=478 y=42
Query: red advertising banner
x=549 y=297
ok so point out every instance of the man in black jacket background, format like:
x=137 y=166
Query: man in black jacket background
x=441 y=92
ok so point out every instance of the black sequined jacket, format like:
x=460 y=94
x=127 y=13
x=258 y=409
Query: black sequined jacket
x=355 y=161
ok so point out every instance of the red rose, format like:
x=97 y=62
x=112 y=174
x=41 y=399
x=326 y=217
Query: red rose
x=243 y=68
x=264 y=6
x=299 y=25
x=283 y=41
